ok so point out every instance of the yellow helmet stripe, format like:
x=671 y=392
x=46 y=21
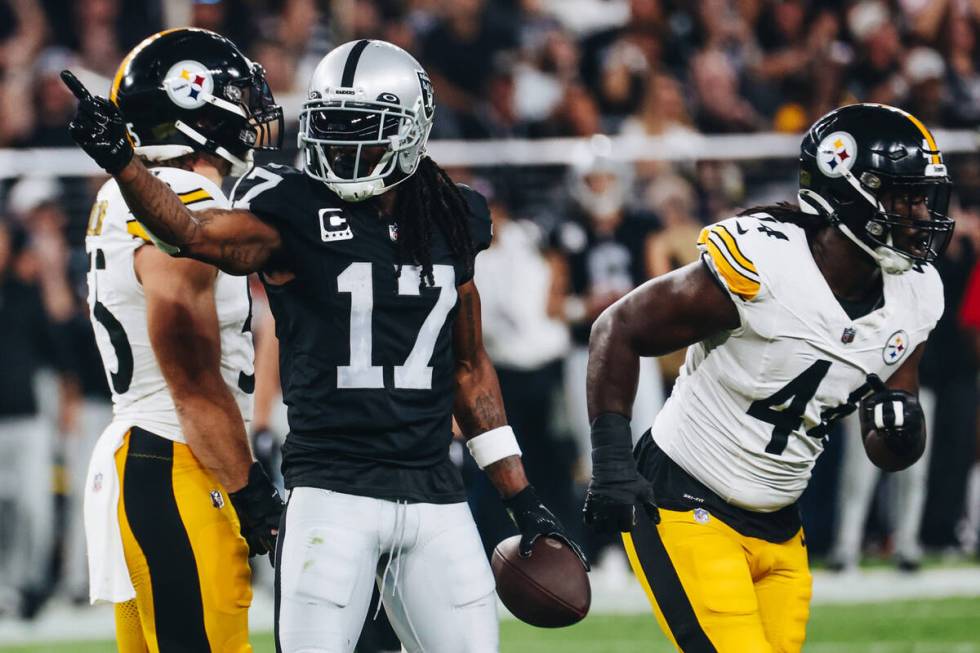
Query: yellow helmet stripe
x=124 y=66
x=934 y=158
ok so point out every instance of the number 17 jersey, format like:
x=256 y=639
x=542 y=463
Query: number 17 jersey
x=752 y=407
x=366 y=350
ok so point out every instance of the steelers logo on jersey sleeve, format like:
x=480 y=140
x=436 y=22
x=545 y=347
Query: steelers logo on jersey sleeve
x=895 y=348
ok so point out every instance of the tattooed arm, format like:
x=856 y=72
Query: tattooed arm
x=479 y=406
x=236 y=241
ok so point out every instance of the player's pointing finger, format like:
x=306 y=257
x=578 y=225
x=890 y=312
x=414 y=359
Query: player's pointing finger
x=74 y=85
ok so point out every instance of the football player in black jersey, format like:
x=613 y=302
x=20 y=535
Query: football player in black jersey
x=367 y=255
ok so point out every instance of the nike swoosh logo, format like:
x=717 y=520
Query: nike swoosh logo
x=739 y=229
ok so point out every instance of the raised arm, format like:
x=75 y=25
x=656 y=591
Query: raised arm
x=479 y=411
x=234 y=240
x=665 y=314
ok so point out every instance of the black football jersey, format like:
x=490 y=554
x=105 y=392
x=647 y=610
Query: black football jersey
x=366 y=351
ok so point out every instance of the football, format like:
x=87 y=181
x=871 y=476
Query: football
x=550 y=588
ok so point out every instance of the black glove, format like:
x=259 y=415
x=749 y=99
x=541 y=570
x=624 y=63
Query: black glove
x=533 y=519
x=259 y=508
x=616 y=487
x=265 y=446
x=895 y=415
x=98 y=127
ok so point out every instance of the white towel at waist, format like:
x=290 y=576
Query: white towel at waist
x=108 y=574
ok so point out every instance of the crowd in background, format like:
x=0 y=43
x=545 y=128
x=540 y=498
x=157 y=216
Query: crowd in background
x=569 y=241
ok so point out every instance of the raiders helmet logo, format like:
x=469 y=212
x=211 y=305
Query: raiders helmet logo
x=428 y=96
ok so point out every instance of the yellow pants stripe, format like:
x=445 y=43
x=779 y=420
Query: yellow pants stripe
x=186 y=558
x=714 y=589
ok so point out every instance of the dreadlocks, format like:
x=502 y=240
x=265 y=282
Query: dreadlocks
x=791 y=214
x=429 y=200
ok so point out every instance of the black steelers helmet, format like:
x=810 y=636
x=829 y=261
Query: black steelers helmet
x=876 y=173
x=187 y=89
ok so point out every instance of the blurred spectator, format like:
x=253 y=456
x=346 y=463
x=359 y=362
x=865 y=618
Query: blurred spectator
x=968 y=529
x=720 y=107
x=876 y=73
x=925 y=72
x=98 y=46
x=577 y=114
x=45 y=124
x=459 y=51
x=662 y=112
x=962 y=75
x=231 y=18
x=674 y=246
x=948 y=368
x=606 y=247
x=720 y=189
x=29 y=295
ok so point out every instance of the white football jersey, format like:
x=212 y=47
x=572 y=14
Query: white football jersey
x=751 y=409
x=118 y=310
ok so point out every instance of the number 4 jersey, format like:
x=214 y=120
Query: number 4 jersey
x=118 y=310
x=365 y=349
x=752 y=407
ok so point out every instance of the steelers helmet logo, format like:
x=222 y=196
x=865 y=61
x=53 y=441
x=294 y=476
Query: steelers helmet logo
x=895 y=348
x=836 y=154
x=187 y=84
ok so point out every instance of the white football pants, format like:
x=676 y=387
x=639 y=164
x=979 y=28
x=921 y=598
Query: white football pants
x=26 y=501
x=427 y=560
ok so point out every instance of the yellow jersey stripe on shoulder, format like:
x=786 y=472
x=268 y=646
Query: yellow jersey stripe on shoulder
x=134 y=228
x=733 y=249
x=194 y=196
x=741 y=282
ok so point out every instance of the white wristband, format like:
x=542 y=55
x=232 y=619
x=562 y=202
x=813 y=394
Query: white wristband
x=496 y=444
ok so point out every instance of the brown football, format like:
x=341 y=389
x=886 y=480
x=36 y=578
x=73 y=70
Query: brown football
x=549 y=589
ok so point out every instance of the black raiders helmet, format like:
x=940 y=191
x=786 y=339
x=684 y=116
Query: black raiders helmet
x=187 y=89
x=875 y=172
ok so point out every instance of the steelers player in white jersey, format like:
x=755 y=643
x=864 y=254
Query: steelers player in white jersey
x=794 y=317
x=172 y=486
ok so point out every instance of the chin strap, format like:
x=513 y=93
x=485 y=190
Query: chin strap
x=889 y=260
x=238 y=166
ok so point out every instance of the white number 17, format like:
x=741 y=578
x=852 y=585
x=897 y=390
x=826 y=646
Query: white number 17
x=416 y=373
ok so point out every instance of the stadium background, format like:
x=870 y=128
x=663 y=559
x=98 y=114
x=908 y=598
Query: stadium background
x=605 y=133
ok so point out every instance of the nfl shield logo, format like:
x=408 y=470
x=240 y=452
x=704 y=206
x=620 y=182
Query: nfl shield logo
x=701 y=516
x=393 y=232
x=848 y=336
x=217 y=500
